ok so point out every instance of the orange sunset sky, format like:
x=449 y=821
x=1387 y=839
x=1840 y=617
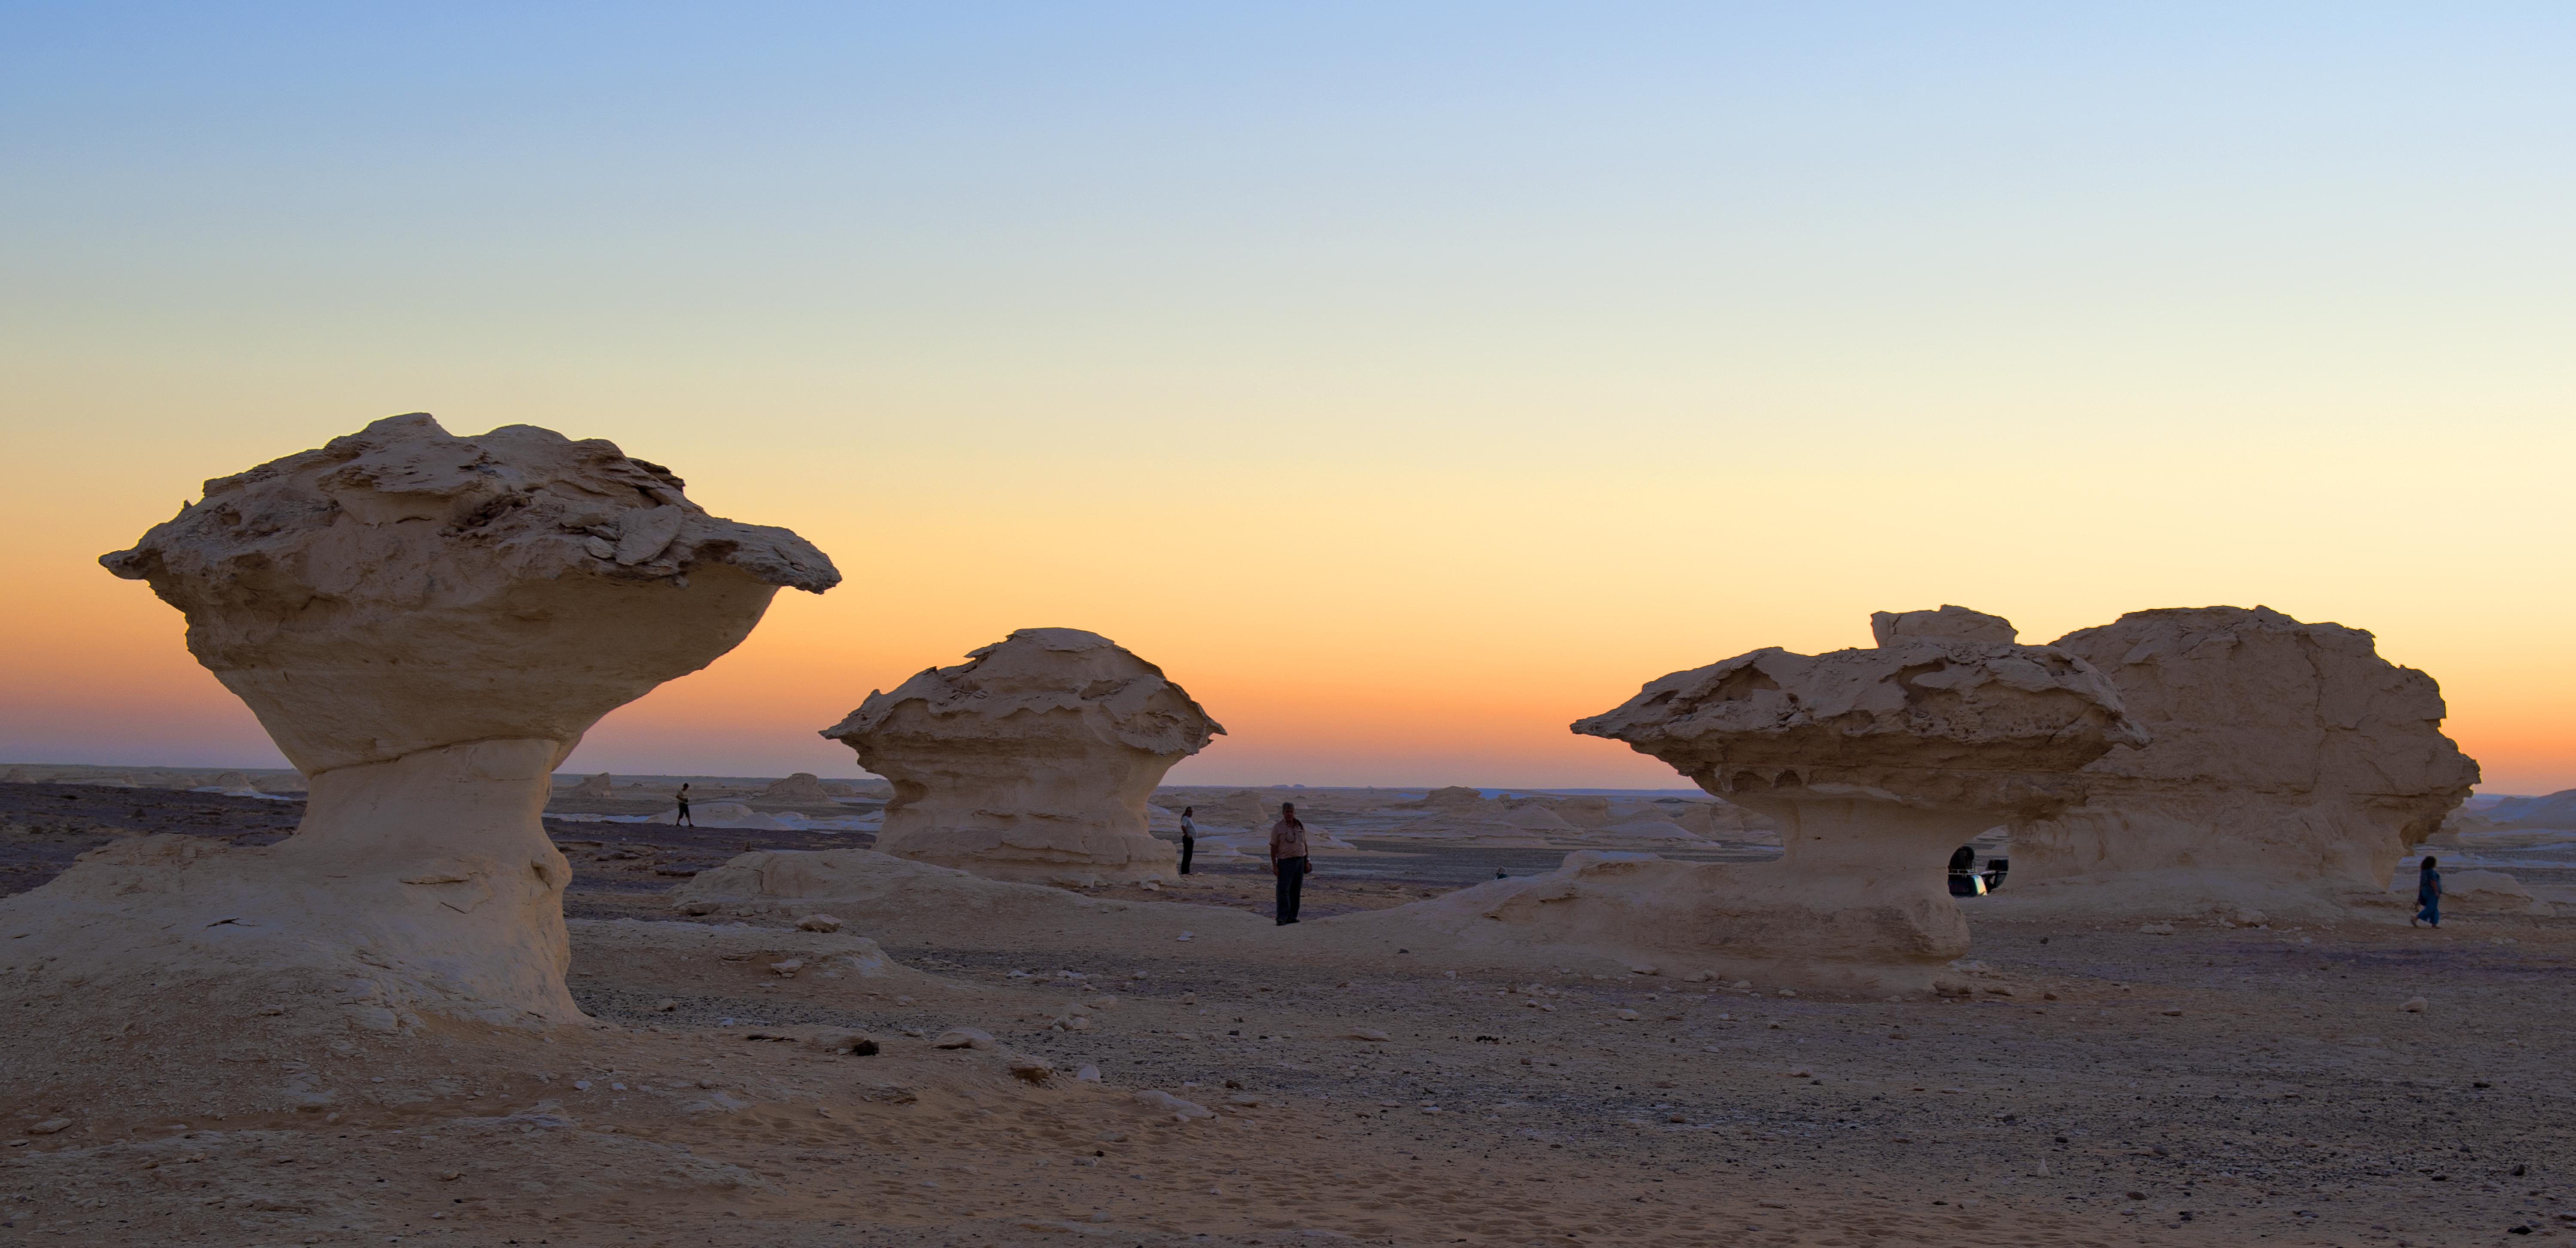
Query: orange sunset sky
x=1405 y=384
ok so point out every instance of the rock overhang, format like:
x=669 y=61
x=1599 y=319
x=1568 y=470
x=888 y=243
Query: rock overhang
x=1921 y=719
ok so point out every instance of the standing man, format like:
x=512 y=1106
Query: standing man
x=1288 y=860
x=1189 y=837
x=684 y=821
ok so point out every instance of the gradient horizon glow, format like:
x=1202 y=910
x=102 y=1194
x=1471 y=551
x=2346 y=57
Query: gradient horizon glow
x=1407 y=380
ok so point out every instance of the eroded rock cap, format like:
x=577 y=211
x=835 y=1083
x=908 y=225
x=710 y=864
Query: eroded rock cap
x=402 y=588
x=1027 y=684
x=1925 y=720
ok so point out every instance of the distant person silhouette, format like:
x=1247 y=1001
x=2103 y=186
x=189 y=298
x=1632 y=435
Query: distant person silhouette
x=2428 y=894
x=1288 y=861
x=1189 y=837
x=684 y=820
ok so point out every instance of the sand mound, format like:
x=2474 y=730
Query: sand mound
x=702 y=955
x=1731 y=921
x=899 y=899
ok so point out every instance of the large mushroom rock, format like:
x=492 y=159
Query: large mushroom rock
x=426 y=624
x=1032 y=761
x=2291 y=768
x=1876 y=764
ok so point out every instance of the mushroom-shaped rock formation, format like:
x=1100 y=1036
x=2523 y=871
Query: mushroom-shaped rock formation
x=1033 y=761
x=1876 y=764
x=426 y=624
x=2291 y=768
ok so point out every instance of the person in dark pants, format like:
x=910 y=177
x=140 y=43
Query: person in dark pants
x=1189 y=837
x=2428 y=894
x=1288 y=860
x=684 y=820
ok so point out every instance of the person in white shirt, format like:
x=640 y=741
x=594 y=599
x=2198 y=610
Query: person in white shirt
x=1288 y=861
x=1189 y=837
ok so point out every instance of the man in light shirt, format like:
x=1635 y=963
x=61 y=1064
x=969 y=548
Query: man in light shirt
x=1288 y=860
x=1189 y=837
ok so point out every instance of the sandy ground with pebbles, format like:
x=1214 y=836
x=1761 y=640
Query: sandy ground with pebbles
x=2214 y=1086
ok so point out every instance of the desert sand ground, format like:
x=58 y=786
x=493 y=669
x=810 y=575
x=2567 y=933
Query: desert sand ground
x=2219 y=1085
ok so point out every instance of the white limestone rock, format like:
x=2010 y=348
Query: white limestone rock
x=419 y=621
x=1032 y=761
x=1875 y=763
x=1947 y=624
x=2290 y=769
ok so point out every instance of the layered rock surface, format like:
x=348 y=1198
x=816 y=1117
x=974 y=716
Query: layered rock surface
x=426 y=624
x=1875 y=763
x=2291 y=767
x=1032 y=761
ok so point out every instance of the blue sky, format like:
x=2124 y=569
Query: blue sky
x=2063 y=310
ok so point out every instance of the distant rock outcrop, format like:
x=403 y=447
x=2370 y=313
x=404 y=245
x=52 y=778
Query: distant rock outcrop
x=1454 y=797
x=426 y=624
x=1033 y=761
x=2556 y=810
x=1876 y=763
x=801 y=789
x=1537 y=817
x=601 y=785
x=2290 y=766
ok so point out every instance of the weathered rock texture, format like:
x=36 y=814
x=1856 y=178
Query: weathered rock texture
x=1033 y=761
x=1876 y=764
x=426 y=624
x=1947 y=624
x=2290 y=765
